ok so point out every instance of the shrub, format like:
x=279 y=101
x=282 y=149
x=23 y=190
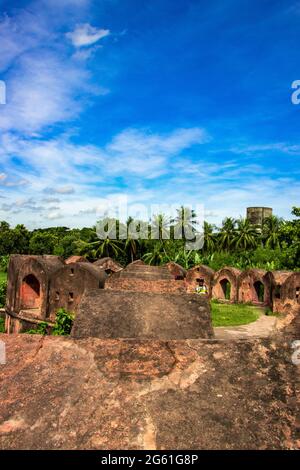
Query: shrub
x=2 y=325
x=41 y=329
x=4 y=260
x=3 y=287
x=63 y=323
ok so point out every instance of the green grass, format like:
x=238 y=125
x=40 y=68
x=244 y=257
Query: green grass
x=2 y=325
x=3 y=276
x=224 y=314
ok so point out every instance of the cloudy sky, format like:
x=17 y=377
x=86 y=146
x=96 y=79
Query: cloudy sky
x=156 y=101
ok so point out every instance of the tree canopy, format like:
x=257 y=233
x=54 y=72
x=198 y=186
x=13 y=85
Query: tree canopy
x=275 y=245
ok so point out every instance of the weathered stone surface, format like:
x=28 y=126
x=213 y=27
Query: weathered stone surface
x=61 y=393
x=117 y=314
x=140 y=277
x=248 y=287
x=108 y=264
x=40 y=285
x=226 y=274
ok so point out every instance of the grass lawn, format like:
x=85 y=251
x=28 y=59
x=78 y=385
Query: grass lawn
x=3 y=276
x=234 y=314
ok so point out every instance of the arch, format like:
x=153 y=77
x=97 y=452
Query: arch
x=291 y=289
x=277 y=280
x=199 y=275
x=255 y=287
x=30 y=292
x=259 y=289
x=226 y=288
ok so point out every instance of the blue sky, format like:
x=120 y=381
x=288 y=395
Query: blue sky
x=161 y=101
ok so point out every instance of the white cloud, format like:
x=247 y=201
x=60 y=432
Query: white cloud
x=44 y=85
x=271 y=147
x=54 y=215
x=20 y=34
x=6 y=182
x=86 y=35
x=63 y=190
x=41 y=92
x=131 y=154
x=50 y=200
x=137 y=157
x=146 y=154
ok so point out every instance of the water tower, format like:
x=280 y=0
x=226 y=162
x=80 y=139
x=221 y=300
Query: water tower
x=257 y=215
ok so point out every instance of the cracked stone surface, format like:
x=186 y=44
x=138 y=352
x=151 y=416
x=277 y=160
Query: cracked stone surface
x=63 y=393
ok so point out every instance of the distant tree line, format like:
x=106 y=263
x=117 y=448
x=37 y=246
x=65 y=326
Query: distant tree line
x=238 y=243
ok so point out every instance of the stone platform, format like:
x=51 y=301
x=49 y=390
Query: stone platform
x=61 y=393
x=143 y=315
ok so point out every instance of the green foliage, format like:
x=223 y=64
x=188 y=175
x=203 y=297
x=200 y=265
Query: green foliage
x=3 y=287
x=63 y=323
x=41 y=329
x=237 y=243
x=224 y=314
x=67 y=246
x=42 y=242
x=13 y=240
x=2 y=325
x=4 y=260
x=62 y=327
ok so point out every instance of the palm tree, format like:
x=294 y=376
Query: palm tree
x=132 y=243
x=227 y=233
x=109 y=245
x=160 y=227
x=156 y=256
x=246 y=235
x=100 y=248
x=185 y=259
x=209 y=237
x=185 y=222
x=271 y=231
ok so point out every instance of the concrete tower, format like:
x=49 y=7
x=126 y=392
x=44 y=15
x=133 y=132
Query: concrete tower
x=256 y=215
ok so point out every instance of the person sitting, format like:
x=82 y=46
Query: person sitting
x=201 y=289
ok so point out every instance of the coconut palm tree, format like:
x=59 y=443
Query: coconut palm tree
x=184 y=222
x=209 y=237
x=227 y=233
x=271 y=231
x=100 y=248
x=132 y=243
x=156 y=256
x=108 y=246
x=246 y=235
x=160 y=227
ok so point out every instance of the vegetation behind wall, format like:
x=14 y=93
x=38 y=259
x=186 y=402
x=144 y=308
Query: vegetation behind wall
x=237 y=243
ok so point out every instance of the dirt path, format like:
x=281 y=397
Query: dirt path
x=261 y=328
